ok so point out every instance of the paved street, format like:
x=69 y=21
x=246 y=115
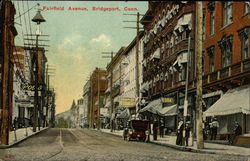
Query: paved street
x=83 y=144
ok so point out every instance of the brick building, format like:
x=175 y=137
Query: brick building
x=167 y=27
x=227 y=63
x=98 y=86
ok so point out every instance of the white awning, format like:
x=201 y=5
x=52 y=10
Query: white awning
x=116 y=99
x=168 y=111
x=156 y=54
x=234 y=101
x=117 y=83
x=185 y=20
x=108 y=104
x=123 y=115
x=107 y=90
x=153 y=106
x=144 y=87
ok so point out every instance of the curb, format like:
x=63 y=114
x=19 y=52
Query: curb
x=108 y=133
x=181 y=148
x=19 y=141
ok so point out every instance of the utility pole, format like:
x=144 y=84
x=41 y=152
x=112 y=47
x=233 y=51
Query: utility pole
x=37 y=19
x=198 y=51
x=111 y=88
x=98 y=96
x=48 y=92
x=7 y=43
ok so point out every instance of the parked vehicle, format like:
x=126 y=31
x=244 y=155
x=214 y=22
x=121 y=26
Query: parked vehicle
x=136 y=130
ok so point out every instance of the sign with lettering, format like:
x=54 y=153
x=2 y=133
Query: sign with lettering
x=127 y=102
x=31 y=87
x=167 y=100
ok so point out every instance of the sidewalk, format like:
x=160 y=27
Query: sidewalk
x=21 y=135
x=211 y=148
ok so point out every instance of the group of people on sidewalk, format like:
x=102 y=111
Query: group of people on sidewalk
x=186 y=129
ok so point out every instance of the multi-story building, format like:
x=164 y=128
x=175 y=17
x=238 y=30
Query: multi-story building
x=114 y=70
x=227 y=63
x=167 y=26
x=86 y=104
x=98 y=86
x=22 y=102
x=226 y=70
x=129 y=95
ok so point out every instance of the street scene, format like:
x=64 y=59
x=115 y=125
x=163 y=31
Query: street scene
x=83 y=144
x=125 y=80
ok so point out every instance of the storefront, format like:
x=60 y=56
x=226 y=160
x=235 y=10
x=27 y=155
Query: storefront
x=233 y=106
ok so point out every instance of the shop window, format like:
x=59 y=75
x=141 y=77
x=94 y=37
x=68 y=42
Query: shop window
x=227 y=13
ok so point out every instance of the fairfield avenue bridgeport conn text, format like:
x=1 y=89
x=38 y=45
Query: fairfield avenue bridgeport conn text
x=48 y=8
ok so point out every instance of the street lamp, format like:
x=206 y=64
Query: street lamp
x=37 y=19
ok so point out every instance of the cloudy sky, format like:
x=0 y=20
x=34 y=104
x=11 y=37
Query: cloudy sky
x=77 y=39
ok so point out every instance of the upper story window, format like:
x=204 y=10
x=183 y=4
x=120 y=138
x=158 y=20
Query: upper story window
x=203 y=23
x=247 y=7
x=210 y=52
x=226 y=50
x=244 y=36
x=211 y=7
x=227 y=13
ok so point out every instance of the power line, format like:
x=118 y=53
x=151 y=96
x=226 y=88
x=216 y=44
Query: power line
x=20 y=15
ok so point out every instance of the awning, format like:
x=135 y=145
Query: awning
x=153 y=106
x=234 y=101
x=116 y=99
x=123 y=115
x=108 y=104
x=107 y=90
x=185 y=20
x=117 y=83
x=168 y=111
x=156 y=54
x=144 y=87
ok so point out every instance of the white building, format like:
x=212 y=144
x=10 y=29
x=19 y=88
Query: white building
x=22 y=101
x=128 y=95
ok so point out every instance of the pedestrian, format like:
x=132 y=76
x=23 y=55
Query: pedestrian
x=155 y=130
x=161 y=129
x=214 y=127
x=237 y=132
x=180 y=133
x=187 y=132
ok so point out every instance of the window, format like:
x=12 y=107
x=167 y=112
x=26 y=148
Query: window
x=247 y=7
x=212 y=22
x=244 y=36
x=203 y=23
x=211 y=7
x=227 y=13
x=226 y=50
x=210 y=52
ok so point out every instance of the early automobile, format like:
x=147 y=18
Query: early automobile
x=136 y=130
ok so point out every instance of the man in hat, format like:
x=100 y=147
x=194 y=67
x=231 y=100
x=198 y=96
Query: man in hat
x=214 y=127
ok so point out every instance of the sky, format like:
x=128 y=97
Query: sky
x=77 y=39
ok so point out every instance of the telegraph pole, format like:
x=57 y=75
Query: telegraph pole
x=37 y=19
x=98 y=96
x=111 y=87
x=48 y=92
x=198 y=47
x=7 y=43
